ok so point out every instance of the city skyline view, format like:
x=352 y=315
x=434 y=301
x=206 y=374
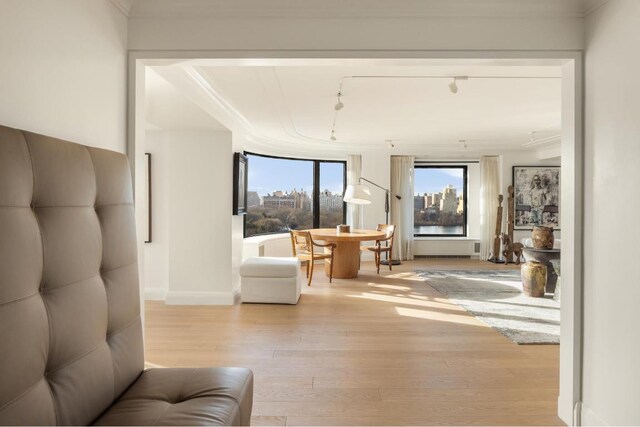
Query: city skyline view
x=280 y=195
x=439 y=201
x=268 y=175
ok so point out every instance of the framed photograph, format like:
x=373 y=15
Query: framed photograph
x=147 y=177
x=536 y=192
x=240 y=170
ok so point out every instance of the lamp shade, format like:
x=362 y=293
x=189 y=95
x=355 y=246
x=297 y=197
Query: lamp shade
x=358 y=194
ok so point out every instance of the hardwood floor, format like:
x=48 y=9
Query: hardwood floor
x=377 y=350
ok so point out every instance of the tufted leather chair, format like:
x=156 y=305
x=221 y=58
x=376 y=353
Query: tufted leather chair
x=71 y=350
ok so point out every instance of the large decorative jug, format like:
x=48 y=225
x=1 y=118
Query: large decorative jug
x=542 y=237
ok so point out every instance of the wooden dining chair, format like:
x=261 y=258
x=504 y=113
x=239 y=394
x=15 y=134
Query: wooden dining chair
x=378 y=249
x=302 y=245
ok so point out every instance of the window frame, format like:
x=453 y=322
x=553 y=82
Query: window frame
x=465 y=184
x=316 y=188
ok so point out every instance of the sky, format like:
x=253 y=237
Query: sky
x=267 y=175
x=434 y=180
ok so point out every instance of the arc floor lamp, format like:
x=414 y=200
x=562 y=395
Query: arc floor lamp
x=360 y=194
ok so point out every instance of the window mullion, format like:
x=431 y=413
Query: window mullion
x=316 y=194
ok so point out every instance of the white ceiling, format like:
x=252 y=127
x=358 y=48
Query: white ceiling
x=356 y=8
x=291 y=107
x=297 y=103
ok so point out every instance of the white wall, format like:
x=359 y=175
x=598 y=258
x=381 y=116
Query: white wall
x=200 y=172
x=611 y=372
x=238 y=33
x=63 y=69
x=156 y=253
x=189 y=260
x=239 y=144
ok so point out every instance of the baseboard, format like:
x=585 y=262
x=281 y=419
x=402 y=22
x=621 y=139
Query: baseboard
x=566 y=410
x=236 y=295
x=202 y=298
x=444 y=256
x=590 y=418
x=155 y=294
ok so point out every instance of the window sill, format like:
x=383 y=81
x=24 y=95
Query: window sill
x=258 y=240
x=453 y=238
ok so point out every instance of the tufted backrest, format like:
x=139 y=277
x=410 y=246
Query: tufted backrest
x=70 y=328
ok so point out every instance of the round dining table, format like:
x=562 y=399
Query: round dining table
x=346 y=255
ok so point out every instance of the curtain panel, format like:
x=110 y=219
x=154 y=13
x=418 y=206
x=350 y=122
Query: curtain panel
x=402 y=178
x=489 y=191
x=354 y=172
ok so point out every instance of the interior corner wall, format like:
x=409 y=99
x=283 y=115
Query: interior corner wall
x=239 y=144
x=200 y=221
x=64 y=70
x=510 y=159
x=610 y=386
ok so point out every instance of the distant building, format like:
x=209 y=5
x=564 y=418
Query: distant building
x=449 y=201
x=432 y=199
x=460 y=204
x=253 y=199
x=294 y=200
x=330 y=201
x=419 y=202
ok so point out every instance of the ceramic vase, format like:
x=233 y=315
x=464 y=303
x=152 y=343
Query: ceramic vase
x=542 y=237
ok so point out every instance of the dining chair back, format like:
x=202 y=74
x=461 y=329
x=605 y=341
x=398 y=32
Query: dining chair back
x=378 y=249
x=302 y=246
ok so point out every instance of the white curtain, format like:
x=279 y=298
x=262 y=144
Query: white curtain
x=489 y=191
x=354 y=172
x=402 y=210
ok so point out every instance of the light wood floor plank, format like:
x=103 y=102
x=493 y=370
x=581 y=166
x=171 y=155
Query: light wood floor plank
x=378 y=350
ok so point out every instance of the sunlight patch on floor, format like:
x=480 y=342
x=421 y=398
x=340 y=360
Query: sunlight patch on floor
x=402 y=300
x=391 y=287
x=438 y=316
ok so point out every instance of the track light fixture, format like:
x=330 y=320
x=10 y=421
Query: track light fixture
x=464 y=142
x=390 y=143
x=453 y=86
x=339 y=105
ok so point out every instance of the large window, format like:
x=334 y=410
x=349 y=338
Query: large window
x=293 y=194
x=440 y=200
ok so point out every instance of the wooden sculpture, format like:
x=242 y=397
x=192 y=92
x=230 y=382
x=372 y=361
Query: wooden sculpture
x=508 y=247
x=510 y=222
x=517 y=252
x=495 y=254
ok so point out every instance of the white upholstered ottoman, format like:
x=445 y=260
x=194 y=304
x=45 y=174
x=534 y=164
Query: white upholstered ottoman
x=274 y=280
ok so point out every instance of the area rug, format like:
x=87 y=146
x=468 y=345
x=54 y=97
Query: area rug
x=495 y=297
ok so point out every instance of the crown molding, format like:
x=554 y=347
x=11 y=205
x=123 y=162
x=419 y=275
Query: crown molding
x=543 y=142
x=361 y=9
x=123 y=6
x=593 y=7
